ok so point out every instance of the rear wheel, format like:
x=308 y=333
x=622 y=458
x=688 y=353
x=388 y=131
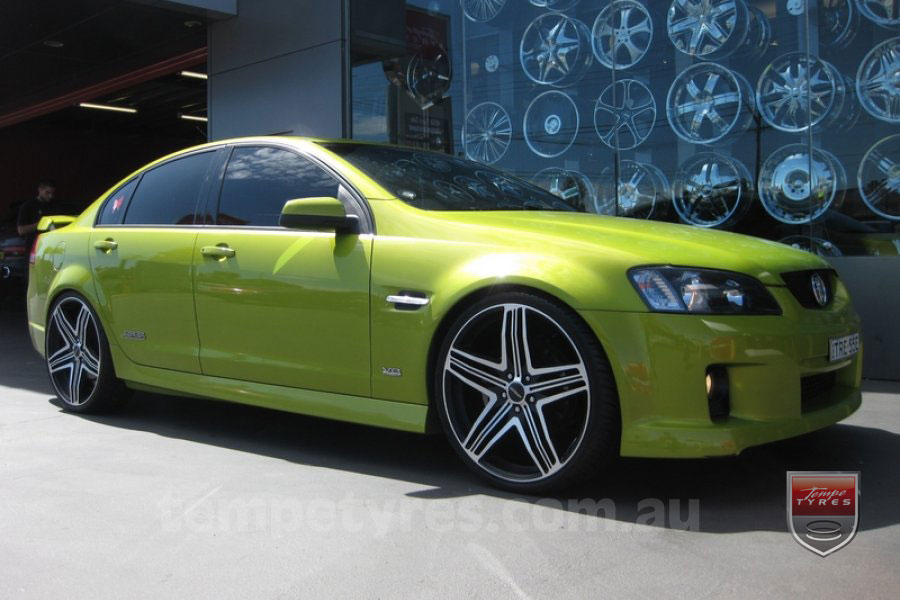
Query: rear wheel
x=78 y=358
x=526 y=395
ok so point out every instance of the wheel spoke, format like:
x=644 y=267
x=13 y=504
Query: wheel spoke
x=533 y=430
x=64 y=327
x=489 y=427
x=61 y=359
x=476 y=372
x=515 y=342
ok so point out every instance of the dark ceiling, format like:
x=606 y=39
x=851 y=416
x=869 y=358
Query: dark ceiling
x=51 y=47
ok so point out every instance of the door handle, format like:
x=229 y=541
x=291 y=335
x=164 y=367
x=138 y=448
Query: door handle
x=106 y=245
x=218 y=252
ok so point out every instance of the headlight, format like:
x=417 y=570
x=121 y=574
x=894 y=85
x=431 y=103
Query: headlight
x=702 y=291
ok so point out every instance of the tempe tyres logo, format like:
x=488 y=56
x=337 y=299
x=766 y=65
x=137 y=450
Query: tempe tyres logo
x=823 y=509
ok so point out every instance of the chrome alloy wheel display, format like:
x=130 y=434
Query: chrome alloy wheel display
x=551 y=123
x=573 y=187
x=707 y=101
x=622 y=34
x=73 y=351
x=884 y=13
x=878 y=178
x=557 y=5
x=878 y=81
x=555 y=50
x=707 y=29
x=487 y=133
x=838 y=22
x=482 y=10
x=794 y=93
x=516 y=392
x=815 y=245
x=634 y=194
x=712 y=190
x=796 y=189
x=428 y=76
x=625 y=114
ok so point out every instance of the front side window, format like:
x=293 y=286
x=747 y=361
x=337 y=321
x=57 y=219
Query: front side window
x=260 y=179
x=168 y=194
x=113 y=209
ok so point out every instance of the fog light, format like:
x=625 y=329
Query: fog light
x=717 y=393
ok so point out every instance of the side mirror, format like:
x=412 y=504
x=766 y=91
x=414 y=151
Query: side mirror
x=53 y=222
x=318 y=214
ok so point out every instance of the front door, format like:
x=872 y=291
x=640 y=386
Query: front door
x=276 y=305
x=141 y=255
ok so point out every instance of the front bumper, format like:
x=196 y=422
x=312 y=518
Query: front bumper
x=660 y=363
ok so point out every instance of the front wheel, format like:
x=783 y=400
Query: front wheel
x=78 y=357
x=526 y=395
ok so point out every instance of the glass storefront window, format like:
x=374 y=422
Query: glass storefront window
x=772 y=118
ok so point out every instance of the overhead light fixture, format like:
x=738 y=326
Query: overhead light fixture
x=53 y=43
x=193 y=74
x=192 y=118
x=122 y=109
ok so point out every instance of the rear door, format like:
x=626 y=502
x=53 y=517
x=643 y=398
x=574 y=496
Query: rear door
x=282 y=306
x=141 y=252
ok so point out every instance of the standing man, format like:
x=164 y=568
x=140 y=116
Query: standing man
x=31 y=211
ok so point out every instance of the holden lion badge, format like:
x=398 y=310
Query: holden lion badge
x=823 y=509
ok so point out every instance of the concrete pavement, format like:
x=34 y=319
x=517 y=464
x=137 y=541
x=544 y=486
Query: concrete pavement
x=175 y=497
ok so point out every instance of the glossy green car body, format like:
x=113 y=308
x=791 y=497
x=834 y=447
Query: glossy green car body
x=300 y=322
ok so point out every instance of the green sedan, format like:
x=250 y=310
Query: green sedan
x=419 y=292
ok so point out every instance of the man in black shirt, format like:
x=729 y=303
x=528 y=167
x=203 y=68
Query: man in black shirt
x=31 y=211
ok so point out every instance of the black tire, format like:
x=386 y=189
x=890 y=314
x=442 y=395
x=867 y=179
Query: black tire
x=77 y=350
x=580 y=415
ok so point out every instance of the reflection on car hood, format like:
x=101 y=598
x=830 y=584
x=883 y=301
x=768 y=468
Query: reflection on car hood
x=631 y=242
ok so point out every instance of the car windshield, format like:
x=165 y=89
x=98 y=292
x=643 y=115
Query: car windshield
x=434 y=181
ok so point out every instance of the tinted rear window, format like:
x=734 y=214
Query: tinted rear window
x=114 y=209
x=168 y=194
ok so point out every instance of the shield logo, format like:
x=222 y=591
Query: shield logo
x=823 y=509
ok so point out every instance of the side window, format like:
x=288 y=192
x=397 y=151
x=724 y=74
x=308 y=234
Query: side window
x=259 y=180
x=113 y=209
x=168 y=194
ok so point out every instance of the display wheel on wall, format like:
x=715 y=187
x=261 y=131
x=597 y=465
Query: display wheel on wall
x=878 y=178
x=634 y=194
x=428 y=75
x=884 y=13
x=759 y=34
x=482 y=11
x=878 y=81
x=555 y=50
x=622 y=34
x=838 y=22
x=794 y=193
x=796 y=92
x=812 y=244
x=708 y=101
x=625 y=114
x=556 y=5
x=487 y=133
x=551 y=124
x=571 y=186
x=708 y=29
x=712 y=190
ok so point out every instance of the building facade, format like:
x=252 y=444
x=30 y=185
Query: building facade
x=773 y=118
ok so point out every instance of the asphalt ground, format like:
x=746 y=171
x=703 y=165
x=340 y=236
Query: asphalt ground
x=178 y=497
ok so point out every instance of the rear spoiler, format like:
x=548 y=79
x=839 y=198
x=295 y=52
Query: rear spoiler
x=53 y=222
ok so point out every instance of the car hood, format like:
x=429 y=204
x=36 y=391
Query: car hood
x=631 y=242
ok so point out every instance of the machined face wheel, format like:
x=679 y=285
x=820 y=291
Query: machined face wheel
x=73 y=351
x=622 y=34
x=706 y=102
x=795 y=93
x=516 y=393
x=707 y=29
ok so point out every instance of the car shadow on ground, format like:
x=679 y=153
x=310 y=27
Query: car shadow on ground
x=735 y=494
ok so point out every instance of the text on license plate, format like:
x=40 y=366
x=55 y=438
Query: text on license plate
x=842 y=347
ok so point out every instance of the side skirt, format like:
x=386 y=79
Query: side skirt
x=341 y=407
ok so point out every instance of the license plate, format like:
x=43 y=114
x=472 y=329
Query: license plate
x=842 y=347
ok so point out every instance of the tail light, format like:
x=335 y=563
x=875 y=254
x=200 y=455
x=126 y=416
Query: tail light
x=17 y=250
x=33 y=255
